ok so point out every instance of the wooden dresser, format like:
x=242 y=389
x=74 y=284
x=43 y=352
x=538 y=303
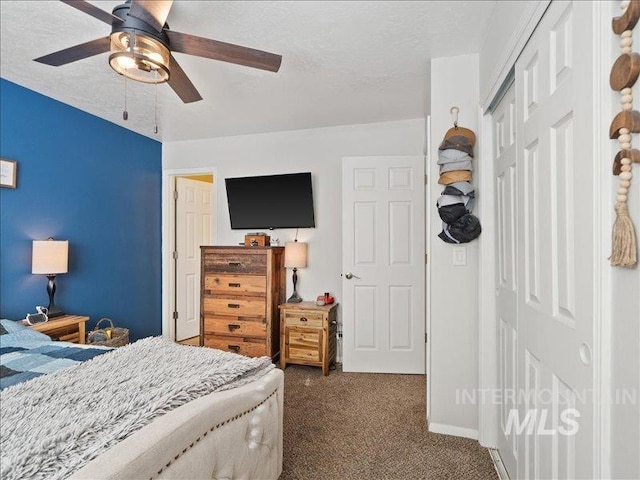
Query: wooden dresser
x=241 y=288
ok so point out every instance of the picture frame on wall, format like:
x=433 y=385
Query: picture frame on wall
x=8 y=173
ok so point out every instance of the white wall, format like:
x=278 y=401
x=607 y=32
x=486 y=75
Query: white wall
x=454 y=289
x=318 y=151
x=625 y=362
x=625 y=286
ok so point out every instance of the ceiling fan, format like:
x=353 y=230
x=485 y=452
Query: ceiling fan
x=141 y=46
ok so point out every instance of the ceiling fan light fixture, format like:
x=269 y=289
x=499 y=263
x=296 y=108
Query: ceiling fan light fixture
x=139 y=57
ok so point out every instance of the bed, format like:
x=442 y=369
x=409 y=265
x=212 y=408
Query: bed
x=152 y=409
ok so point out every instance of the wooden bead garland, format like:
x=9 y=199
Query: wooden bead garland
x=624 y=245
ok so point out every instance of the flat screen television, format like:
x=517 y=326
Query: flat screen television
x=272 y=201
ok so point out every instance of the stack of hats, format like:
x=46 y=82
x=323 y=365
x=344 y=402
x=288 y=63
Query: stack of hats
x=456 y=202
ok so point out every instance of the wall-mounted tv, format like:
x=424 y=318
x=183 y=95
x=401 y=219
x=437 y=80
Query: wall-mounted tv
x=272 y=201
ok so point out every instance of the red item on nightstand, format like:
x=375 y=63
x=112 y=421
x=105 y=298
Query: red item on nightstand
x=325 y=299
x=328 y=299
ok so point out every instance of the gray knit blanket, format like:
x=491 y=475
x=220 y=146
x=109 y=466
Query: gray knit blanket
x=53 y=425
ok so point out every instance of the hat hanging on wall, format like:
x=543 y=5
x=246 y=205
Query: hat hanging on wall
x=456 y=130
x=455 y=156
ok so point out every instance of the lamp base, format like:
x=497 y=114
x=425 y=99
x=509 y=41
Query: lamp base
x=55 y=312
x=295 y=298
x=52 y=310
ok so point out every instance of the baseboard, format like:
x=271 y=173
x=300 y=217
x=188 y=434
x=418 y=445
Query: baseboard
x=455 y=431
x=498 y=465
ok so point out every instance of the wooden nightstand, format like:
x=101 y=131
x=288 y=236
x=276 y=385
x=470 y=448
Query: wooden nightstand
x=68 y=328
x=308 y=334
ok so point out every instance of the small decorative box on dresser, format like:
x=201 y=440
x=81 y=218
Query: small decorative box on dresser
x=308 y=335
x=241 y=288
x=67 y=328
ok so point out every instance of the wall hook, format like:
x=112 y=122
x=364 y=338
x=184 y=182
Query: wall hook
x=454 y=115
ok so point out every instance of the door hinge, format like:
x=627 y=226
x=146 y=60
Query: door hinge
x=426 y=179
x=175 y=255
x=175 y=194
x=425 y=338
x=426 y=258
x=175 y=315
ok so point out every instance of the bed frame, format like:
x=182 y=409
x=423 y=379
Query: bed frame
x=231 y=434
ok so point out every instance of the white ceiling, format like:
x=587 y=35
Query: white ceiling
x=344 y=62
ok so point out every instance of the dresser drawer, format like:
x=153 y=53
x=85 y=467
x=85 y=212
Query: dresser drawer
x=304 y=337
x=235 y=284
x=232 y=262
x=241 y=345
x=236 y=307
x=304 y=344
x=235 y=326
x=304 y=354
x=301 y=318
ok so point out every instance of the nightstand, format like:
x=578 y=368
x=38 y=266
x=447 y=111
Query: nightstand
x=67 y=328
x=308 y=334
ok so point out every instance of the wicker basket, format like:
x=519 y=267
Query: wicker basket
x=118 y=336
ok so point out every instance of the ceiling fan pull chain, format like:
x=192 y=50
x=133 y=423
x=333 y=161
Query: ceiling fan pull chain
x=125 y=114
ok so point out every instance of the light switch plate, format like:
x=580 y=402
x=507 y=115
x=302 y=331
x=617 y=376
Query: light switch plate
x=459 y=256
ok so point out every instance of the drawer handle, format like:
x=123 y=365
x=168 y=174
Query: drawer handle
x=303 y=319
x=233 y=326
x=235 y=285
x=233 y=305
x=234 y=264
x=235 y=348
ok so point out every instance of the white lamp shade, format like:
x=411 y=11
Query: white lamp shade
x=295 y=255
x=50 y=257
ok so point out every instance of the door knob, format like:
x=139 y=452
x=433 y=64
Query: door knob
x=585 y=353
x=350 y=275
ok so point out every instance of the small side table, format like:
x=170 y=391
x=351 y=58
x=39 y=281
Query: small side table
x=308 y=334
x=67 y=328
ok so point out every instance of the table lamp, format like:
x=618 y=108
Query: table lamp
x=50 y=257
x=295 y=256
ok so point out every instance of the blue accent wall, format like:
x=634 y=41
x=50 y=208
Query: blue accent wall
x=96 y=184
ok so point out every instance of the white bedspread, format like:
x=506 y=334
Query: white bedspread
x=55 y=424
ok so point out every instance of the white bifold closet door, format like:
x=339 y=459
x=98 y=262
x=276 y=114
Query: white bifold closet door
x=506 y=189
x=545 y=255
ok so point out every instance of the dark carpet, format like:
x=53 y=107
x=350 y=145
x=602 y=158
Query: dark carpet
x=369 y=426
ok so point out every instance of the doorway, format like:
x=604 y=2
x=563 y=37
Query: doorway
x=193 y=220
x=188 y=222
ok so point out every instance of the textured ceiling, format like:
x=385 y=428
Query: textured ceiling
x=343 y=62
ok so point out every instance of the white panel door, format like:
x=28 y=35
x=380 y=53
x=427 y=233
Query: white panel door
x=556 y=229
x=383 y=257
x=193 y=228
x=505 y=185
x=552 y=278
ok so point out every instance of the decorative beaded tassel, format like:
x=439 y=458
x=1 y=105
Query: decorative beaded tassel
x=624 y=248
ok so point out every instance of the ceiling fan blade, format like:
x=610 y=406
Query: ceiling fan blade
x=153 y=12
x=225 y=52
x=92 y=10
x=77 y=52
x=181 y=84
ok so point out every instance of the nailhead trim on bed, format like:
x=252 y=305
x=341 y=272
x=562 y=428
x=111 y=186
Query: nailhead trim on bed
x=197 y=440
